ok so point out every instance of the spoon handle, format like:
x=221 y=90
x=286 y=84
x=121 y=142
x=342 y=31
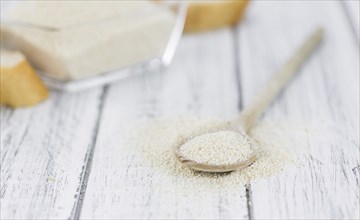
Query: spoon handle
x=252 y=112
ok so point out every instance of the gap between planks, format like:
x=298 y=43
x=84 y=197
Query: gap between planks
x=235 y=34
x=76 y=212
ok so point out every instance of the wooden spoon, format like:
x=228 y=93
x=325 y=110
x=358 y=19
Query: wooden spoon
x=251 y=113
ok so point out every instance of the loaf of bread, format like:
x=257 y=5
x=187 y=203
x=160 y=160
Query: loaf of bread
x=207 y=15
x=20 y=85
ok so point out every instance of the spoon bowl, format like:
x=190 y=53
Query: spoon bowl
x=214 y=168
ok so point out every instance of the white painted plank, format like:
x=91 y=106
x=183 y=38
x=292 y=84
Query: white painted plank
x=43 y=153
x=352 y=7
x=325 y=95
x=201 y=81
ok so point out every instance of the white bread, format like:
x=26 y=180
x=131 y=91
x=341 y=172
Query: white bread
x=80 y=39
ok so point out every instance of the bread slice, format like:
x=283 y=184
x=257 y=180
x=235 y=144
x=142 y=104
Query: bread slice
x=207 y=15
x=19 y=84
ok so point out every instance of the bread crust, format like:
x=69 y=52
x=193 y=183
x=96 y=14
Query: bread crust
x=203 y=16
x=20 y=86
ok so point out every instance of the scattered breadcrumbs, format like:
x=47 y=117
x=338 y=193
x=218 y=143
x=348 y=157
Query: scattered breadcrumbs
x=277 y=145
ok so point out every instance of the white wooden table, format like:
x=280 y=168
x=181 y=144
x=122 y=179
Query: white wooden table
x=62 y=159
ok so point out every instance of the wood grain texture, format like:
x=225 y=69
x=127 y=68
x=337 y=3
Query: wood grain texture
x=43 y=155
x=45 y=149
x=201 y=81
x=325 y=95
